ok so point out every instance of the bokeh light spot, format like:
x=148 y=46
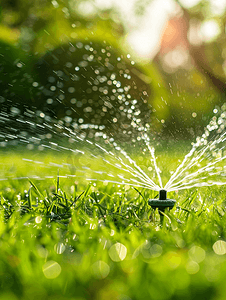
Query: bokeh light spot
x=51 y=269
x=197 y=254
x=117 y=252
x=219 y=247
x=192 y=267
x=100 y=269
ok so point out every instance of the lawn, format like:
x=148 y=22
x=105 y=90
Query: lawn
x=75 y=220
x=67 y=238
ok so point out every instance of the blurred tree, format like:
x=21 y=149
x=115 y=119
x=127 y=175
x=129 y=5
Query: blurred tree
x=192 y=55
x=39 y=67
x=192 y=60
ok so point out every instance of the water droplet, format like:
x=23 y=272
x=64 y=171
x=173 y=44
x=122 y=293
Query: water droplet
x=38 y=219
x=59 y=248
x=35 y=84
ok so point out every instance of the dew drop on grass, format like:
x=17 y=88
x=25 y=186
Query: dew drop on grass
x=59 y=248
x=38 y=219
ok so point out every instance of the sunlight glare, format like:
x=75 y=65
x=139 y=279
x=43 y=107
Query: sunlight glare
x=143 y=31
x=209 y=30
x=145 y=39
x=189 y=3
x=218 y=6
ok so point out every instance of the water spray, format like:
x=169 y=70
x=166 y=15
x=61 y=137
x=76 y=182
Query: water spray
x=162 y=203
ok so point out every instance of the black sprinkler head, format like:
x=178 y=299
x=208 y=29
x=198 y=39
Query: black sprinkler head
x=162 y=203
x=162 y=194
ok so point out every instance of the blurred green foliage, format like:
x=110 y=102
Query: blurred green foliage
x=182 y=101
x=42 y=37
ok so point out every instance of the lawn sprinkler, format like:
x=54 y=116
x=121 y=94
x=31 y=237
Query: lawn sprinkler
x=162 y=203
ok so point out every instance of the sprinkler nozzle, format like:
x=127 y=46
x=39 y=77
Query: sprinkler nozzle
x=162 y=203
x=162 y=195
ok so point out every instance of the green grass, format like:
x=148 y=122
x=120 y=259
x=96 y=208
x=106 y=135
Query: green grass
x=67 y=239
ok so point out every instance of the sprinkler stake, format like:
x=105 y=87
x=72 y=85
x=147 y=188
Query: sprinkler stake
x=162 y=203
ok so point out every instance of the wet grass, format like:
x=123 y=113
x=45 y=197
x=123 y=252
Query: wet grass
x=62 y=238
